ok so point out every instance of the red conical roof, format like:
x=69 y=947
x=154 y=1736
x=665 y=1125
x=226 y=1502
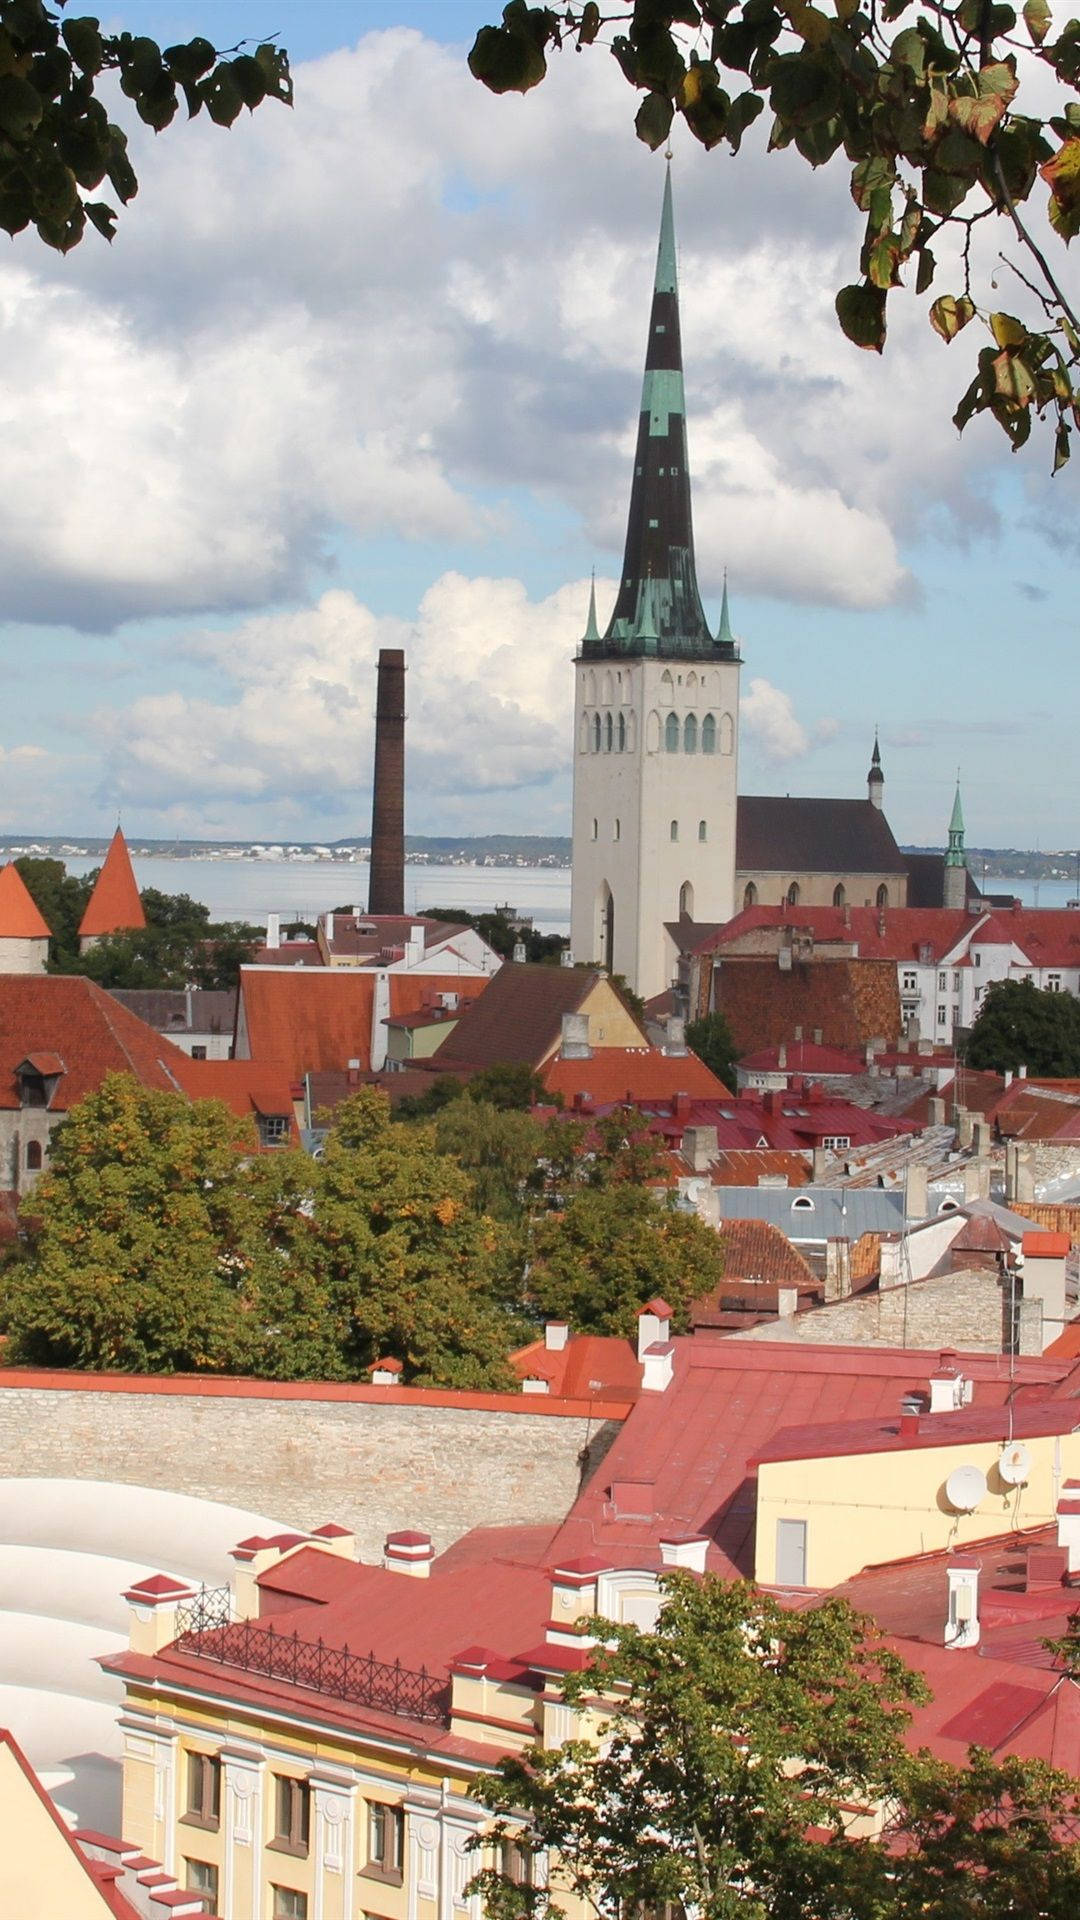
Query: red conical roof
x=114 y=906
x=19 y=916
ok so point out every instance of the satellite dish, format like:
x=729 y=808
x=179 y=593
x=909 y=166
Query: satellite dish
x=965 y=1487
x=1015 y=1464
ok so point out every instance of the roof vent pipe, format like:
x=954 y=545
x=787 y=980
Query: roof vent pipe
x=962 y=1626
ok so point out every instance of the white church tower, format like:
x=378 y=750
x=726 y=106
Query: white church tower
x=656 y=705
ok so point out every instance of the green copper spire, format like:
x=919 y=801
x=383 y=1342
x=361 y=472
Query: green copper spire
x=724 y=635
x=666 y=274
x=955 y=855
x=592 y=631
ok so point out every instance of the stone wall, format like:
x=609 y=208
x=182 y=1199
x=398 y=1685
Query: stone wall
x=372 y=1461
x=963 y=1310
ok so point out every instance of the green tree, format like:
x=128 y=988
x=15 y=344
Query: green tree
x=743 y=1738
x=499 y=1149
x=711 y=1039
x=57 y=142
x=1020 y=1024
x=613 y=1248
x=147 y=1239
x=928 y=108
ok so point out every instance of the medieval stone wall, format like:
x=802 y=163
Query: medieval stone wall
x=430 y=1462
x=963 y=1310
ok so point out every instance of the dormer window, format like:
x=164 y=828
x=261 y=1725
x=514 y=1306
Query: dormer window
x=273 y=1129
x=37 y=1078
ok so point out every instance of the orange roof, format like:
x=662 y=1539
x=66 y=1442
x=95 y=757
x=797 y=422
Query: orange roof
x=19 y=916
x=631 y=1074
x=247 y=1087
x=590 y=1366
x=413 y=992
x=114 y=906
x=88 y=1031
x=317 y=1019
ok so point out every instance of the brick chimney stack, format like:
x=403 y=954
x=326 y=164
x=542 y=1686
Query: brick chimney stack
x=386 y=886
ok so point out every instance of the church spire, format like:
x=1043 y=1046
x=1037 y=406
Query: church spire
x=875 y=779
x=592 y=631
x=658 y=609
x=955 y=855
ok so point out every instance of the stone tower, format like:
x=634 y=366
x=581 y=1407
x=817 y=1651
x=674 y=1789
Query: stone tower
x=656 y=704
x=386 y=881
x=875 y=779
x=955 y=887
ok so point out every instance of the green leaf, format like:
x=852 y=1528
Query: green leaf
x=742 y=113
x=704 y=104
x=927 y=267
x=1007 y=331
x=871 y=174
x=21 y=106
x=883 y=261
x=653 y=119
x=944 y=192
x=660 y=64
x=1061 y=446
x=510 y=58
x=222 y=96
x=980 y=113
x=102 y=216
x=156 y=105
x=84 y=43
x=249 y=78
x=190 y=60
x=1037 y=19
x=950 y=314
x=804 y=88
x=861 y=313
x=1062 y=175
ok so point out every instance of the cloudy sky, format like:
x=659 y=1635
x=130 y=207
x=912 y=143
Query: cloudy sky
x=367 y=373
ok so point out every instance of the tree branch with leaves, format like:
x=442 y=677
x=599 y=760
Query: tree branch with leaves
x=927 y=108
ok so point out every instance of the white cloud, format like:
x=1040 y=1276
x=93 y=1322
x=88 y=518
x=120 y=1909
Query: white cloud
x=767 y=717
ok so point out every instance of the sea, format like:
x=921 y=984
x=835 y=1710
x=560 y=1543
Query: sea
x=248 y=889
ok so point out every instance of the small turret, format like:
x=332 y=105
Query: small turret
x=875 y=779
x=114 y=905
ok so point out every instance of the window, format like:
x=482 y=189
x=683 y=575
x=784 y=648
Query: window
x=595 y=829
x=203 y=1790
x=942 y=982
x=616 y=831
x=198 y=1053
x=689 y=733
x=674 y=830
x=793 y=894
x=288 y=1903
x=749 y=898
x=839 y=896
x=803 y=1204
x=386 y=1840
x=273 y=1129
x=32 y=1089
x=686 y=901
x=517 y=1863
x=977 y=959
x=622 y=733
x=609 y=732
x=910 y=983
x=33 y=1156
x=708 y=734
x=836 y=1140
x=882 y=896
x=956 y=983
x=201 y=1877
x=596 y=733
x=1053 y=983
x=941 y=1016
x=702 y=830
x=671 y=733
x=292 y=1814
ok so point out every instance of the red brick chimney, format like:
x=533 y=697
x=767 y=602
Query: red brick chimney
x=386 y=885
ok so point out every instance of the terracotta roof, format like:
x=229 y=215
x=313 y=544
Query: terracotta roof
x=290 y=953
x=315 y=1020
x=367 y=935
x=776 y=833
x=519 y=1018
x=632 y=1074
x=756 y=1250
x=114 y=906
x=19 y=915
x=890 y=933
x=247 y=1087
x=93 y=1035
x=589 y=1366
x=747 y=1167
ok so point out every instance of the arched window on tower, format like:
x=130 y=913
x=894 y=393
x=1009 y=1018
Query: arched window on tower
x=609 y=732
x=585 y=735
x=686 y=901
x=793 y=894
x=622 y=733
x=667 y=688
x=749 y=898
x=671 y=733
x=674 y=830
x=690 y=733
x=702 y=830
x=596 y=829
x=727 y=734
x=708 y=733
x=33 y=1156
x=616 y=832
x=839 y=898
x=596 y=733
x=882 y=895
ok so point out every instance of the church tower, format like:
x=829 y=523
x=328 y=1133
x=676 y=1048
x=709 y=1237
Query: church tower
x=955 y=887
x=875 y=779
x=656 y=704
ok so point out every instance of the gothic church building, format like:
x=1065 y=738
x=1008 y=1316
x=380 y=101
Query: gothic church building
x=659 y=833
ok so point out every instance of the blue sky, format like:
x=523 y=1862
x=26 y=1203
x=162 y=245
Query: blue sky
x=368 y=374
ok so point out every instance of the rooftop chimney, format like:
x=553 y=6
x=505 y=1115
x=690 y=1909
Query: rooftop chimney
x=386 y=883
x=556 y=1335
x=410 y=1553
x=675 y=1038
x=700 y=1148
x=684 y=1550
x=962 y=1625
x=519 y=953
x=566 y=958
x=273 y=930
x=654 y=1325
x=575 y=1037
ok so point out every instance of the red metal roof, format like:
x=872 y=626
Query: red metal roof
x=114 y=906
x=630 y=1075
x=590 y=1366
x=20 y=918
x=953 y=1429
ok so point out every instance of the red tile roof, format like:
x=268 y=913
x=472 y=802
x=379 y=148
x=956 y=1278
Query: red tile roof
x=1045 y=936
x=114 y=906
x=89 y=1030
x=589 y=1366
x=756 y=1250
x=19 y=915
x=315 y=1020
x=630 y=1075
x=747 y=1167
x=247 y=1087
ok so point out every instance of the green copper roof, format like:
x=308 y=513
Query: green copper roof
x=956 y=823
x=955 y=855
x=592 y=631
x=666 y=280
x=724 y=635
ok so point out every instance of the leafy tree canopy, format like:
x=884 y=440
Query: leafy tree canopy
x=742 y=1739
x=57 y=142
x=613 y=1248
x=949 y=117
x=501 y=932
x=711 y=1039
x=1020 y=1024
